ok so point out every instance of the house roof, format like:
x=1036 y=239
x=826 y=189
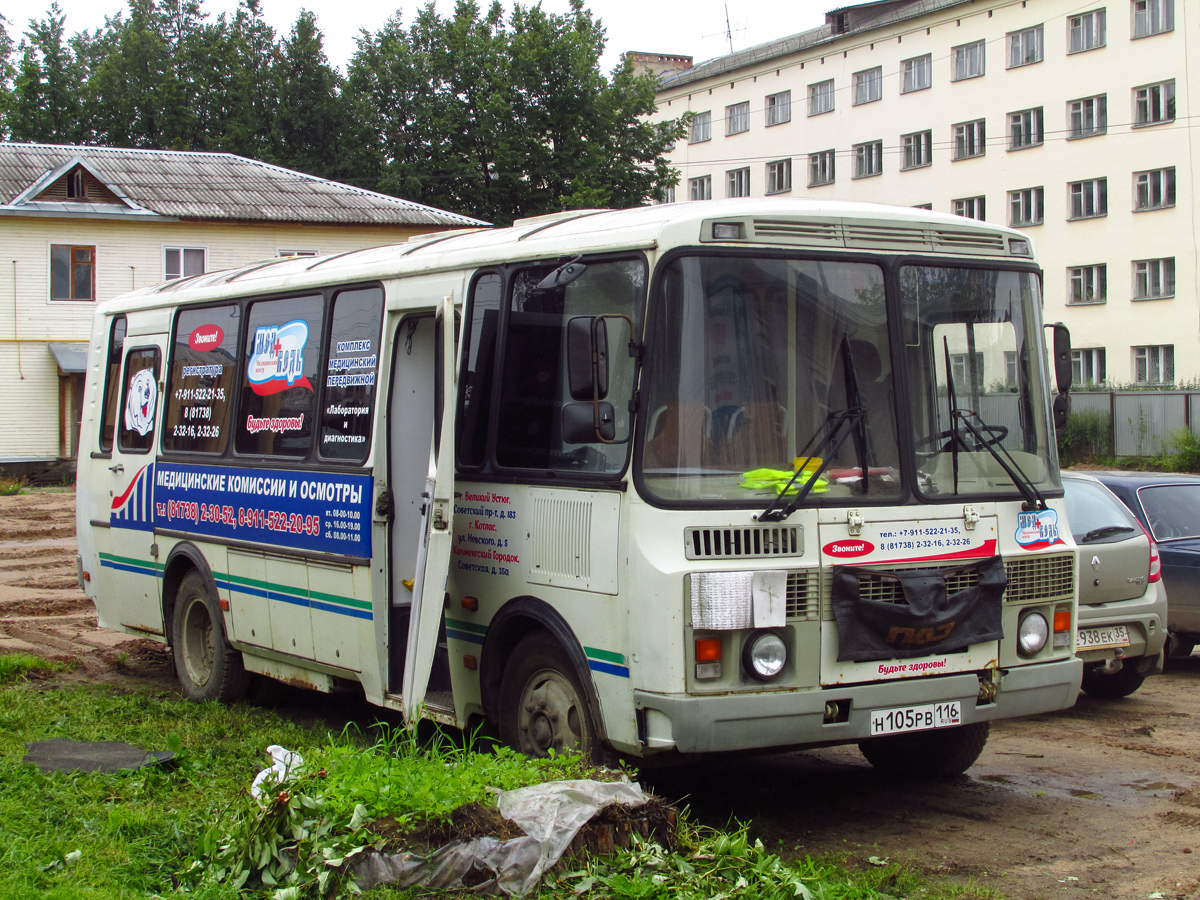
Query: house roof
x=187 y=185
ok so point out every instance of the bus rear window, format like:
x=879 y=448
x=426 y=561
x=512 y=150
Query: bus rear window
x=351 y=375
x=201 y=381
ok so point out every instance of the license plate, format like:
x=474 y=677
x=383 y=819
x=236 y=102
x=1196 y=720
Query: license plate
x=916 y=718
x=1099 y=638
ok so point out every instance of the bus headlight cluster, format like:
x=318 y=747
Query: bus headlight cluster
x=764 y=655
x=1032 y=633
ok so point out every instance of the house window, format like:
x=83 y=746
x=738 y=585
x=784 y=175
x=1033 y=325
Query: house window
x=868 y=159
x=1153 y=17
x=297 y=253
x=1025 y=129
x=971 y=207
x=968 y=60
x=1088 y=198
x=701 y=128
x=1086 y=31
x=1088 y=116
x=72 y=272
x=820 y=168
x=969 y=139
x=1153 y=279
x=737 y=118
x=668 y=195
x=1154 y=189
x=959 y=371
x=1025 y=47
x=1154 y=365
x=1088 y=284
x=183 y=262
x=1025 y=207
x=779 y=108
x=779 y=176
x=1087 y=366
x=868 y=85
x=1154 y=103
x=918 y=149
x=916 y=73
x=737 y=183
x=820 y=97
x=1010 y=368
x=76 y=185
x=700 y=188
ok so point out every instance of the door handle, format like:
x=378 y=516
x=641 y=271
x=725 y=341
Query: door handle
x=118 y=468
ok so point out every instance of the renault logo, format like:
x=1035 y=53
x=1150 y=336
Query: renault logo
x=1095 y=564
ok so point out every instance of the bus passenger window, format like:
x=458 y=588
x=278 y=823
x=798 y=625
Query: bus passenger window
x=351 y=375
x=479 y=356
x=112 y=382
x=139 y=403
x=201 y=380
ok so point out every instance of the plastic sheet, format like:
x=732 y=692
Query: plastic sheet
x=285 y=763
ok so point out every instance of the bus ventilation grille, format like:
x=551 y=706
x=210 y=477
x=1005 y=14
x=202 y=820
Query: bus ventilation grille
x=882 y=235
x=1040 y=578
x=762 y=542
x=804 y=594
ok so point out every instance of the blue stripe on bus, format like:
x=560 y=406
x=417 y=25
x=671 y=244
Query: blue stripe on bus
x=608 y=668
x=464 y=636
x=137 y=570
x=342 y=610
x=297 y=601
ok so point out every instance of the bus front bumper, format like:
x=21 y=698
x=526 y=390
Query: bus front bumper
x=689 y=723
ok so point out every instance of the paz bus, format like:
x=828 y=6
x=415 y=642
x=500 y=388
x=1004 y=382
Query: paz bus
x=658 y=482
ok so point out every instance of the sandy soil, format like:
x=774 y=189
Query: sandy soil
x=1100 y=800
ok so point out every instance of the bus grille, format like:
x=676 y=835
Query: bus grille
x=804 y=594
x=762 y=542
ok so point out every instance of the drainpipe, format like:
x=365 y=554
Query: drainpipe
x=16 y=336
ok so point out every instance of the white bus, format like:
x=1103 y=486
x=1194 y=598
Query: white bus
x=691 y=478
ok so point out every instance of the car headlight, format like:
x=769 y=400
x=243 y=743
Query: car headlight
x=764 y=655
x=1032 y=633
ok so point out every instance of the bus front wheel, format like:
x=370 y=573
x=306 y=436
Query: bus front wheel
x=543 y=707
x=207 y=667
x=928 y=754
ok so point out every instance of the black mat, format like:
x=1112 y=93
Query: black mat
x=63 y=755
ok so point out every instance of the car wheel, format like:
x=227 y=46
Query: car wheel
x=1180 y=646
x=1113 y=685
x=928 y=754
x=207 y=667
x=543 y=707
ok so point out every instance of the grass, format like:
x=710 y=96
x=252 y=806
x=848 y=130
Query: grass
x=10 y=486
x=19 y=666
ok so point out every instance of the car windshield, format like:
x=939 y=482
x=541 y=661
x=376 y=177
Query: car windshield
x=1173 y=510
x=1096 y=516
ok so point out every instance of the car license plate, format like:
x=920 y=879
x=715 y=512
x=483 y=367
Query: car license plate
x=1100 y=638
x=916 y=718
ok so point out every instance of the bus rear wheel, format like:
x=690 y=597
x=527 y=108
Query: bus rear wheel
x=928 y=754
x=543 y=707
x=207 y=667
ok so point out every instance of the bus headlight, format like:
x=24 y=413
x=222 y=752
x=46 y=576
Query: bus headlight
x=1032 y=633
x=764 y=655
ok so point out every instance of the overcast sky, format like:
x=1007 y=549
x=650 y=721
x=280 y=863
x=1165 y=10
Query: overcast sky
x=695 y=28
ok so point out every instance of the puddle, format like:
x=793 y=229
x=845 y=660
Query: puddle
x=1085 y=795
x=1144 y=785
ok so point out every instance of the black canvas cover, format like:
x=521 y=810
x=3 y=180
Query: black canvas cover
x=930 y=620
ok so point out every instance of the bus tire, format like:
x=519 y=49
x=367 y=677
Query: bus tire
x=543 y=707
x=207 y=667
x=1112 y=685
x=927 y=754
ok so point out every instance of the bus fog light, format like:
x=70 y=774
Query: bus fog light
x=1032 y=633
x=706 y=671
x=764 y=655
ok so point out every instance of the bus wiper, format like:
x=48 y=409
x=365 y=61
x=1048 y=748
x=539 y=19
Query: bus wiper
x=1107 y=531
x=854 y=401
x=776 y=510
x=1033 y=499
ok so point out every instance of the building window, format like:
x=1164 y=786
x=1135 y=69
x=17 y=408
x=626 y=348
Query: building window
x=868 y=159
x=959 y=370
x=700 y=188
x=1154 y=103
x=918 y=149
x=1154 y=189
x=737 y=118
x=971 y=207
x=1025 y=47
x=916 y=73
x=1153 y=17
x=1025 y=207
x=1088 y=116
x=969 y=139
x=1086 y=31
x=183 y=262
x=1087 y=366
x=820 y=168
x=72 y=272
x=668 y=195
x=968 y=60
x=868 y=85
x=1089 y=199
x=779 y=176
x=779 y=108
x=737 y=183
x=1088 y=284
x=1025 y=129
x=928 y=206
x=1011 y=373
x=76 y=185
x=1154 y=365
x=820 y=97
x=1153 y=279
x=701 y=128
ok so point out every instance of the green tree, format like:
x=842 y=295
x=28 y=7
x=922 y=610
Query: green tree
x=7 y=71
x=45 y=102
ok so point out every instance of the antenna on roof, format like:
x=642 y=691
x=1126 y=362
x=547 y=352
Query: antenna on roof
x=728 y=30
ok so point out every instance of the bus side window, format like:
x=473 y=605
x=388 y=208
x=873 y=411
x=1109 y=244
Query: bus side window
x=112 y=383
x=479 y=355
x=139 y=404
x=201 y=379
x=351 y=375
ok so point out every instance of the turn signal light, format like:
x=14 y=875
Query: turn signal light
x=708 y=650
x=1062 y=620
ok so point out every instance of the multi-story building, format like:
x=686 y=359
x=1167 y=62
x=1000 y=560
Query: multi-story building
x=1068 y=120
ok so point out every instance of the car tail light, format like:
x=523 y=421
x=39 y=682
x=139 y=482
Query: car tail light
x=1155 y=571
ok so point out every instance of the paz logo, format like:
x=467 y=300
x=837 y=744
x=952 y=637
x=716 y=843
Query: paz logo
x=143 y=397
x=277 y=359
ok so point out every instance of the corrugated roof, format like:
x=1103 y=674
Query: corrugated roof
x=188 y=185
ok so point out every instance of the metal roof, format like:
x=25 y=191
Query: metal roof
x=214 y=186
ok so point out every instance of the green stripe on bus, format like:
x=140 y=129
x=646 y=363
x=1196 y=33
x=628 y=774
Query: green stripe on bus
x=465 y=626
x=604 y=655
x=131 y=561
x=295 y=591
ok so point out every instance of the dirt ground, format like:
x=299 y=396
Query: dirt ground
x=1099 y=800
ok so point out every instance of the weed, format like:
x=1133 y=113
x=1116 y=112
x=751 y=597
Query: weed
x=17 y=666
x=1180 y=453
x=1087 y=438
x=10 y=486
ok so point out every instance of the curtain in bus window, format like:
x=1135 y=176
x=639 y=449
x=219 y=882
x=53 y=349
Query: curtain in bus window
x=139 y=403
x=112 y=382
x=350 y=375
x=201 y=382
x=282 y=359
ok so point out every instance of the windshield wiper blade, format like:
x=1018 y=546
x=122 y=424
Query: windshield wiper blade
x=776 y=511
x=1033 y=498
x=1107 y=531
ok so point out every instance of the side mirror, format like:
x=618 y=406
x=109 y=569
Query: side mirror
x=1062 y=357
x=1062 y=411
x=584 y=423
x=587 y=357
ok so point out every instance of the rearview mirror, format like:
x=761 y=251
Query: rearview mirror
x=1062 y=357
x=585 y=423
x=587 y=357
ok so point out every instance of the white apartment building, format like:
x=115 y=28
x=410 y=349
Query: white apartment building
x=1067 y=119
